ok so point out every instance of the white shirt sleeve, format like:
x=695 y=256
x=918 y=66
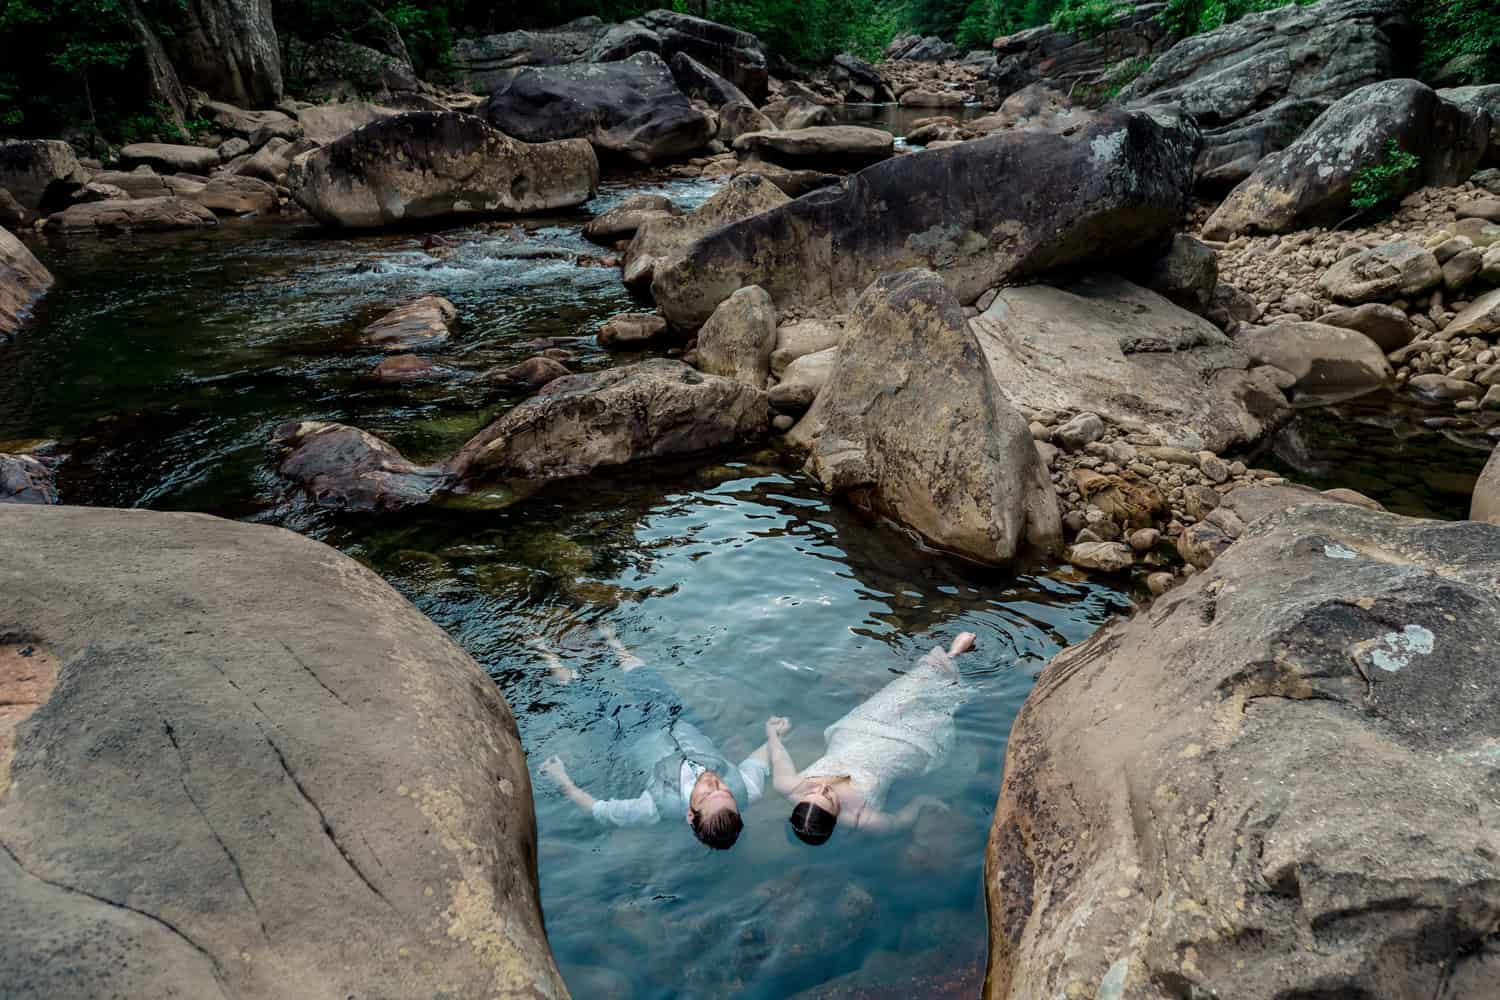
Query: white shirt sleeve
x=755 y=773
x=627 y=812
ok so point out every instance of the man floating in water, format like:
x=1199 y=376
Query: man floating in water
x=685 y=773
x=904 y=729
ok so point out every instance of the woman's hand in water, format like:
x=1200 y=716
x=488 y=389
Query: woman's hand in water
x=553 y=768
x=962 y=643
x=777 y=726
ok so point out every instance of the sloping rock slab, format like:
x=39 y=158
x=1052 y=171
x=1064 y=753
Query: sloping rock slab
x=911 y=425
x=438 y=164
x=1102 y=345
x=138 y=214
x=261 y=773
x=23 y=280
x=577 y=424
x=169 y=157
x=631 y=109
x=1117 y=185
x=1278 y=782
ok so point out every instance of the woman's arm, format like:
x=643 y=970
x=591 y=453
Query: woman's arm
x=876 y=821
x=784 y=775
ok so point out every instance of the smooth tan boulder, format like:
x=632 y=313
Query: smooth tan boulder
x=1387 y=272
x=623 y=221
x=739 y=337
x=1323 y=359
x=832 y=147
x=23 y=281
x=418 y=324
x=232 y=195
x=169 y=157
x=138 y=214
x=660 y=241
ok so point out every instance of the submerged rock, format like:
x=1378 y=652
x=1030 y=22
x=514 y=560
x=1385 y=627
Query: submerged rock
x=326 y=796
x=1117 y=185
x=627 y=331
x=622 y=221
x=346 y=468
x=631 y=109
x=1296 y=746
x=438 y=164
x=23 y=281
x=423 y=323
x=407 y=368
x=533 y=373
x=575 y=425
x=138 y=214
x=911 y=425
x=25 y=479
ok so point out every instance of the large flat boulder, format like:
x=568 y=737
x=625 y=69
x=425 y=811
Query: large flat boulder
x=1078 y=61
x=1116 y=185
x=1484 y=98
x=438 y=164
x=23 y=280
x=1277 y=783
x=825 y=147
x=1102 y=345
x=135 y=214
x=1309 y=182
x=580 y=423
x=1256 y=83
x=630 y=109
x=169 y=157
x=911 y=426
x=40 y=174
x=234 y=762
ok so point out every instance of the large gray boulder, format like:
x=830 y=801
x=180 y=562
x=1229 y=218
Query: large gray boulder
x=1484 y=98
x=23 y=280
x=738 y=339
x=698 y=81
x=1115 y=186
x=135 y=214
x=1081 y=62
x=1102 y=345
x=491 y=61
x=40 y=174
x=630 y=109
x=656 y=408
x=911 y=425
x=324 y=123
x=663 y=239
x=1278 y=783
x=822 y=147
x=170 y=158
x=736 y=55
x=228 y=48
x=1309 y=182
x=438 y=164
x=1256 y=83
x=859 y=80
x=240 y=764
x=1327 y=361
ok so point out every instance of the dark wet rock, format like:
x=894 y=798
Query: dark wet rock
x=1187 y=274
x=1102 y=345
x=12 y=214
x=1390 y=271
x=793 y=183
x=40 y=174
x=736 y=55
x=491 y=60
x=860 y=81
x=630 y=109
x=621 y=41
x=911 y=425
x=423 y=323
x=1117 y=185
x=622 y=221
x=660 y=241
x=25 y=479
x=137 y=214
x=1386 y=325
x=169 y=158
x=432 y=164
x=407 y=368
x=652 y=409
x=1309 y=182
x=23 y=281
x=1308 y=728
x=823 y=147
x=739 y=337
x=533 y=373
x=1255 y=84
x=228 y=48
x=233 y=195
x=345 y=468
x=1323 y=359
x=698 y=81
x=325 y=794
x=631 y=331
x=1081 y=62
x=926 y=49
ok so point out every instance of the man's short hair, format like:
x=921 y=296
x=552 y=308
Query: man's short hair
x=812 y=824
x=719 y=829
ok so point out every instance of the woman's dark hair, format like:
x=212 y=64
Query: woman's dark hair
x=720 y=829
x=812 y=824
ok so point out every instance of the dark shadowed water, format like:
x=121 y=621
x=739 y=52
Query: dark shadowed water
x=164 y=362
x=161 y=367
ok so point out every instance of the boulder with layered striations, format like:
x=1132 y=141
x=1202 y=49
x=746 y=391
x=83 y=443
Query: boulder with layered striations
x=23 y=281
x=630 y=109
x=581 y=423
x=911 y=425
x=1279 y=782
x=434 y=165
x=234 y=762
x=1117 y=185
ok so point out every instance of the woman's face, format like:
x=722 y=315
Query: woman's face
x=822 y=795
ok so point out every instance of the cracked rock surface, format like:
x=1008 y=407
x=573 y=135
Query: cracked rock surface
x=260 y=773
x=1280 y=781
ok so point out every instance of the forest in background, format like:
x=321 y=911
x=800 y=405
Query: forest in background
x=71 y=62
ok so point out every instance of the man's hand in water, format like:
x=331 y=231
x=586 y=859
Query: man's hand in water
x=777 y=726
x=553 y=768
x=962 y=643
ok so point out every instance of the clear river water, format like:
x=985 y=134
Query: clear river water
x=162 y=364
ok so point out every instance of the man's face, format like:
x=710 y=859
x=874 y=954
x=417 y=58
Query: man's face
x=710 y=795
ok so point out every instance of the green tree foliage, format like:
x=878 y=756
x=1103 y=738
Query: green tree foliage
x=1089 y=18
x=1380 y=185
x=1190 y=17
x=813 y=31
x=1463 y=37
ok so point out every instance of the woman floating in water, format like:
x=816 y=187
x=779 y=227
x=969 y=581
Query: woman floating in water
x=904 y=729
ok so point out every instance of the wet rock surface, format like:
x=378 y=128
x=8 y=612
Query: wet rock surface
x=325 y=793
x=1294 y=746
x=345 y=468
x=23 y=281
x=26 y=479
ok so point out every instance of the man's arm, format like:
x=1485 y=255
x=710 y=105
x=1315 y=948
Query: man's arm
x=620 y=812
x=784 y=774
